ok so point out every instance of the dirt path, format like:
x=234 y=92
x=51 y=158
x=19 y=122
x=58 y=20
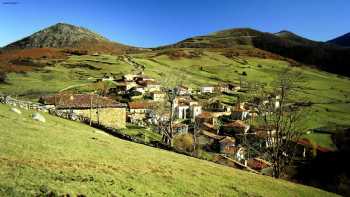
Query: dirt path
x=131 y=62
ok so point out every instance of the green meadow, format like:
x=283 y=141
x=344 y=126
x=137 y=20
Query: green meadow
x=61 y=157
x=330 y=93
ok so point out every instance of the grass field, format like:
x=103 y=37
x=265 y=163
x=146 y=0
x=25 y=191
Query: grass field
x=65 y=157
x=329 y=92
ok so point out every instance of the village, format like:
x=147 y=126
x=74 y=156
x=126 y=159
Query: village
x=180 y=113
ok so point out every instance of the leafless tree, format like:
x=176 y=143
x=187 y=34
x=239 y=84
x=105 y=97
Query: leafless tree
x=280 y=120
x=165 y=111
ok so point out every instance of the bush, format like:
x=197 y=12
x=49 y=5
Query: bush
x=184 y=142
x=3 y=77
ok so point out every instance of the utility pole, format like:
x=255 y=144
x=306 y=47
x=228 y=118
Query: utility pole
x=90 y=108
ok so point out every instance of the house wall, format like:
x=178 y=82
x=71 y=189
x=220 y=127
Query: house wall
x=196 y=110
x=182 y=112
x=112 y=117
x=158 y=97
x=227 y=148
x=207 y=89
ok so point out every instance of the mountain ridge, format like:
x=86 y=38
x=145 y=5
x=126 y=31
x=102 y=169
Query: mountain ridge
x=63 y=35
x=343 y=40
x=324 y=56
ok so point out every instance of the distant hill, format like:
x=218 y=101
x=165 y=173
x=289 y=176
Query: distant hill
x=295 y=38
x=63 y=35
x=324 y=56
x=343 y=40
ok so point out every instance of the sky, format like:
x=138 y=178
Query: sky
x=151 y=23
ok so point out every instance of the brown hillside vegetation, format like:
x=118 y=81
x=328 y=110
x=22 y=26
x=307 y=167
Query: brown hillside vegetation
x=13 y=60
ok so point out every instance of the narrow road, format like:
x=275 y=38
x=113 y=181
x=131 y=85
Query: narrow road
x=131 y=62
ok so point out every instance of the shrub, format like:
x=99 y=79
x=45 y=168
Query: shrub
x=184 y=142
x=3 y=77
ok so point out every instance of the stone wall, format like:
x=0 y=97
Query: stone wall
x=111 y=117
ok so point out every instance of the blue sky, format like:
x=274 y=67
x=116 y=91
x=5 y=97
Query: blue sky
x=150 y=23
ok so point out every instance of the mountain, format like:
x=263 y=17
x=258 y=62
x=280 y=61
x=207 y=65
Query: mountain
x=63 y=35
x=343 y=40
x=294 y=37
x=324 y=56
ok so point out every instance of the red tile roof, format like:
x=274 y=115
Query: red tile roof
x=140 y=105
x=80 y=101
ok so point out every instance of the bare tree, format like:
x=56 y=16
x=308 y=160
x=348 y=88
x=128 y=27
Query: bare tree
x=165 y=111
x=280 y=120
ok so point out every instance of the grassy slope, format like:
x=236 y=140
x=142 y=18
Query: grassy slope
x=68 y=157
x=328 y=90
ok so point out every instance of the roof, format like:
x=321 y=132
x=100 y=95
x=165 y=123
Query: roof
x=307 y=142
x=140 y=105
x=80 y=101
x=208 y=86
x=146 y=83
x=236 y=124
x=179 y=125
x=212 y=135
x=182 y=87
x=227 y=140
x=205 y=114
x=144 y=77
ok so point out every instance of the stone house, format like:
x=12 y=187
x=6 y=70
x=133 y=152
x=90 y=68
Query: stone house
x=150 y=86
x=208 y=139
x=140 y=107
x=239 y=112
x=180 y=128
x=195 y=110
x=185 y=108
x=228 y=145
x=158 y=96
x=181 y=111
x=222 y=87
x=182 y=90
x=235 y=127
x=100 y=109
x=139 y=111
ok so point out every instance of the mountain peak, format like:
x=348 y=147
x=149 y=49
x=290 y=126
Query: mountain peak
x=285 y=34
x=60 y=35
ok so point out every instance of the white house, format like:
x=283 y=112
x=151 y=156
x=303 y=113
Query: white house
x=207 y=89
x=181 y=111
x=195 y=111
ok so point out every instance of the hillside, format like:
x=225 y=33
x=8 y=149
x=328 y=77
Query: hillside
x=343 y=40
x=64 y=157
x=326 y=57
x=63 y=35
x=327 y=92
x=295 y=38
